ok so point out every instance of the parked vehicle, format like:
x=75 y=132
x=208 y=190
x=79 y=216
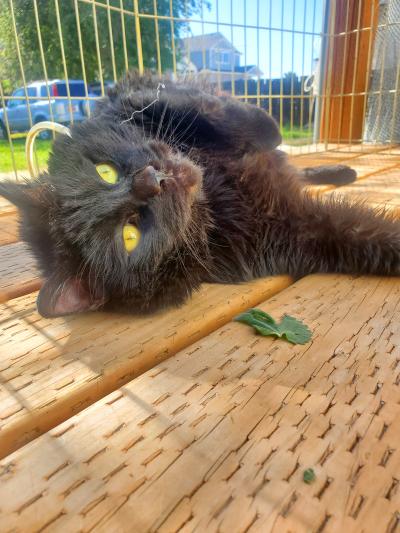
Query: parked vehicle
x=59 y=108
x=95 y=87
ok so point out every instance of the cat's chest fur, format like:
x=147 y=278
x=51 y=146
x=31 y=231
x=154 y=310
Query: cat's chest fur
x=247 y=206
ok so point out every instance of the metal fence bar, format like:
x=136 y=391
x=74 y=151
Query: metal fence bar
x=281 y=79
x=292 y=72
x=246 y=86
x=21 y=65
x=258 y=55
x=368 y=70
x=273 y=96
x=64 y=63
x=312 y=108
x=39 y=34
x=385 y=26
x=302 y=70
x=233 y=82
x=353 y=83
x=82 y=58
x=96 y=36
x=111 y=39
x=8 y=132
x=325 y=97
x=343 y=73
x=252 y=25
x=126 y=61
x=270 y=58
x=218 y=50
x=138 y=37
x=172 y=37
x=191 y=19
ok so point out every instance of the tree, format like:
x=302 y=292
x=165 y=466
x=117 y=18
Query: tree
x=111 y=25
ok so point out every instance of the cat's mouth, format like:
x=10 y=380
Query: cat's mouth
x=189 y=182
x=180 y=176
x=171 y=177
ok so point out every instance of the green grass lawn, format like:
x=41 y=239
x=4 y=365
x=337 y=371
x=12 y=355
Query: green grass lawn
x=42 y=149
x=296 y=136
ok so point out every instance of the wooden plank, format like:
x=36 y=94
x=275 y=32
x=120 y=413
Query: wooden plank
x=18 y=272
x=379 y=190
x=368 y=167
x=6 y=207
x=364 y=164
x=349 y=56
x=51 y=369
x=8 y=228
x=344 y=154
x=217 y=437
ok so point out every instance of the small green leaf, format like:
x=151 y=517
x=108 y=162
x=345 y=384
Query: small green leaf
x=309 y=476
x=294 y=330
x=262 y=315
x=290 y=328
x=261 y=321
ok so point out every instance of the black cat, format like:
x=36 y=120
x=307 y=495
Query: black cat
x=148 y=199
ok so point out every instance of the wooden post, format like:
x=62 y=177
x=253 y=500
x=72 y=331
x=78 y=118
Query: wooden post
x=348 y=60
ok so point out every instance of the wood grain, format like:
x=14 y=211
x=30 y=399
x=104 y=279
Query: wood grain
x=217 y=437
x=52 y=369
x=18 y=272
x=380 y=191
x=8 y=228
x=377 y=181
x=6 y=207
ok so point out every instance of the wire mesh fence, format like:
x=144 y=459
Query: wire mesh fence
x=383 y=113
x=309 y=63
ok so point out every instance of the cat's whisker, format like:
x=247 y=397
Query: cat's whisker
x=161 y=120
x=181 y=136
x=171 y=137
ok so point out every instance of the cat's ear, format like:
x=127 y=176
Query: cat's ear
x=26 y=196
x=65 y=297
x=17 y=193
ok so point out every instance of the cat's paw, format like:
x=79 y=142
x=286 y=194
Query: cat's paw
x=253 y=128
x=330 y=175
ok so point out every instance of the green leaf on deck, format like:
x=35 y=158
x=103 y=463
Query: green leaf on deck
x=289 y=328
x=309 y=476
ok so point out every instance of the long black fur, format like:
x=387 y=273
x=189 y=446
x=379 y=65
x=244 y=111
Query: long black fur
x=229 y=207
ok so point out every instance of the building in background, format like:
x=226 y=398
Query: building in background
x=213 y=54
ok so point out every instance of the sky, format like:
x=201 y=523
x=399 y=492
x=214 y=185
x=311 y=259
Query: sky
x=278 y=51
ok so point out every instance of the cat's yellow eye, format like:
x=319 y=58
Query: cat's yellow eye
x=107 y=173
x=131 y=237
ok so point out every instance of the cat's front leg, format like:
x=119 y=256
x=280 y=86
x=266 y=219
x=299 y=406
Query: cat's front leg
x=219 y=124
x=187 y=117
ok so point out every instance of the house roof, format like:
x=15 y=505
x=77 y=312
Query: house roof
x=247 y=69
x=199 y=43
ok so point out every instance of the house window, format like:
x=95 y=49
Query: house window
x=222 y=59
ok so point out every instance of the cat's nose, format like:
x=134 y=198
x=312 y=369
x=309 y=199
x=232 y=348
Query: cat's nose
x=146 y=185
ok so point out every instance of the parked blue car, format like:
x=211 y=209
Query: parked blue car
x=58 y=108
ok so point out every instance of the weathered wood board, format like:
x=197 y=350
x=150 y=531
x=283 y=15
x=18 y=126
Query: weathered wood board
x=217 y=437
x=52 y=369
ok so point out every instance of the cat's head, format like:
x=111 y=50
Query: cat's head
x=114 y=212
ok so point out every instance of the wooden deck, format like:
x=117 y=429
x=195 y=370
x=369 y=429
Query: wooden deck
x=188 y=421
